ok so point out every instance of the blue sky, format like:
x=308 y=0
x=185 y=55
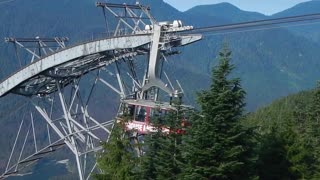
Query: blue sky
x=263 y=6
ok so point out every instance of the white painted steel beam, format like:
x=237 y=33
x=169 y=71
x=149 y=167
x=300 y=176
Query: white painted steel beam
x=71 y=54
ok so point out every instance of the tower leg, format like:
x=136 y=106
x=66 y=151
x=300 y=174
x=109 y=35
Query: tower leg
x=70 y=129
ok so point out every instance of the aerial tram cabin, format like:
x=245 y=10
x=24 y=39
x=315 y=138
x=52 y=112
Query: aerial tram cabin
x=141 y=113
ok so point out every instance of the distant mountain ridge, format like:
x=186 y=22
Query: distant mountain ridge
x=309 y=7
x=225 y=11
x=311 y=31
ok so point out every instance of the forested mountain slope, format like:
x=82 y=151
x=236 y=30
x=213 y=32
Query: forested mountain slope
x=288 y=138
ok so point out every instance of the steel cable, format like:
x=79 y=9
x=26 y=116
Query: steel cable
x=258 y=23
x=258 y=29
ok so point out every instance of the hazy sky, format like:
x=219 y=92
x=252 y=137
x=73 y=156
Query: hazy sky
x=262 y=6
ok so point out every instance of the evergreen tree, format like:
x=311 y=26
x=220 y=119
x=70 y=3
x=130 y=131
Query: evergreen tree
x=285 y=153
x=118 y=160
x=217 y=145
x=161 y=160
x=274 y=157
x=289 y=137
x=299 y=147
x=312 y=135
x=273 y=162
x=316 y=104
x=170 y=151
x=304 y=148
x=150 y=160
x=286 y=147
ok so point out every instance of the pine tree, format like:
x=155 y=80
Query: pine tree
x=161 y=160
x=299 y=146
x=118 y=160
x=287 y=151
x=316 y=104
x=281 y=154
x=170 y=151
x=150 y=160
x=217 y=145
x=312 y=135
x=303 y=149
x=273 y=162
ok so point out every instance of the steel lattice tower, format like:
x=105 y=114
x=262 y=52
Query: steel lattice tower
x=51 y=83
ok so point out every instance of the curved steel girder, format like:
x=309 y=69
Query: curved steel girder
x=46 y=82
x=40 y=77
x=72 y=54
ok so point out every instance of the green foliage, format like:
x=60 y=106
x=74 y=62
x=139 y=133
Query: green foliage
x=273 y=163
x=311 y=136
x=289 y=129
x=151 y=159
x=118 y=160
x=163 y=155
x=217 y=144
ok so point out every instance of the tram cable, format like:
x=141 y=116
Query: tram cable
x=258 y=23
x=258 y=29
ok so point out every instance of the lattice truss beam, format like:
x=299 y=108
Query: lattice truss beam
x=37 y=47
x=130 y=19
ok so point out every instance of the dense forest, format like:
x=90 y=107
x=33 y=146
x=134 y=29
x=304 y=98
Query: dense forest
x=280 y=141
